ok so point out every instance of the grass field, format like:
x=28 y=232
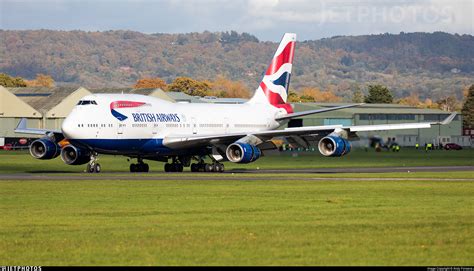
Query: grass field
x=11 y=162
x=427 y=221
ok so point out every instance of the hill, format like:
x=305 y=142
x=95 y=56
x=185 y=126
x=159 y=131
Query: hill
x=430 y=64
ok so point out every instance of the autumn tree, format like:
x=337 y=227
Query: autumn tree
x=358 y=96
x=223 y=87
x=447 y=103
x=293 y=97
x=378 y=94
x=150 y=83
x=190 y=86
x=316 y=95
x=42 y=80
x=412 y=100
x=468 y=109
x=11 y=82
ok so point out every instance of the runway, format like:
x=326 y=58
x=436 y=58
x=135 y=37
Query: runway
x=245 y=174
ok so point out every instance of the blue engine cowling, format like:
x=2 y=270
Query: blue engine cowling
x=334 y=146
x=242 y=153
x=72 y=155
x=44 y=149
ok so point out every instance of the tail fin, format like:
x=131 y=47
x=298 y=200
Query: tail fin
x=275 y=83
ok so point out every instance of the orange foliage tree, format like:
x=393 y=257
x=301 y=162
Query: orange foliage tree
x=190 y=86
x=223 y=87
x=150 y=83
x=412 y=100
x=315 y=94
x=42 y=80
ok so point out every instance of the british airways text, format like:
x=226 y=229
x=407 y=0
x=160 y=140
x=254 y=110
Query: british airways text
x=158 y=117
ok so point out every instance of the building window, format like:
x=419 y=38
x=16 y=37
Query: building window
x=401 y=117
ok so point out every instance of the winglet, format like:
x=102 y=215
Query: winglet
x=448 y=119
x=21 y=125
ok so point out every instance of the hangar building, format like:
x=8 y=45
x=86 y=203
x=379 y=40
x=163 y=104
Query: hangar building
x=370 y=114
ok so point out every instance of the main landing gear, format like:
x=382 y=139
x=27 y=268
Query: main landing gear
x=204 y=167
x=93 y=166
x=175 y=166
x=139 y=167
x=180 y=162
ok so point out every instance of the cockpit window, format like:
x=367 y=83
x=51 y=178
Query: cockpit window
x=85 y=102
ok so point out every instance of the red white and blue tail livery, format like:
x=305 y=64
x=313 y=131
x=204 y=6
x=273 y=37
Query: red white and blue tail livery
x=148 y=128
x=276 y=82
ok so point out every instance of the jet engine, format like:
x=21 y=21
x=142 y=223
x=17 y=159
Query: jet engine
x=72 y=155
x=242 y=153
x=335 y=146
x=44 y=148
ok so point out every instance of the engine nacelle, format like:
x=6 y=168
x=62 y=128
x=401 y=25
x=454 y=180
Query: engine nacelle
x=72 y=155
x=334 y=146
x=242 y=153
x=44 y=149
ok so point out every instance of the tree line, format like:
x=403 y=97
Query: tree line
x=432 y=65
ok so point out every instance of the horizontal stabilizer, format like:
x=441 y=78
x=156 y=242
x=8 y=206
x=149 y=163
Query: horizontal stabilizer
x=316 y=111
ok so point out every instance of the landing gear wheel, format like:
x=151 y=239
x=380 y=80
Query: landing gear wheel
x=208 y=168
x=175 y=167
x=219 y=167
x=97 y=168
x=140 y=167
x=194 y=167
x=90 y=168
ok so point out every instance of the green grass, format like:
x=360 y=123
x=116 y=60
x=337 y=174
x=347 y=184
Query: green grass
x=11 y=162
x=229 y=222
x=289 y=221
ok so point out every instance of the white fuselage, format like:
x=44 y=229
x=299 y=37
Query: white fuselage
x=139 y=117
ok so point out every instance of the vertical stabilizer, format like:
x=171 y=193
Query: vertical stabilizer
x=273 y=88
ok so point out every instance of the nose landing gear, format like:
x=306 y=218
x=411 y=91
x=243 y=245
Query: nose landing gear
x=93 y=166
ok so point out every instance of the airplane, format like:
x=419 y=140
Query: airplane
x=147 y=128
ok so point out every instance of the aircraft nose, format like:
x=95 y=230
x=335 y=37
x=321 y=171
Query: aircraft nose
x=69 y=128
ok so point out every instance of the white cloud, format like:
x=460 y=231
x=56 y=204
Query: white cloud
x=267 y=19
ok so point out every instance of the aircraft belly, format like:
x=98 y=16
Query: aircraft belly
x=123 y=145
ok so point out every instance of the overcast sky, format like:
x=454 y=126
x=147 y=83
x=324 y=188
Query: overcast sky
x=266 y=19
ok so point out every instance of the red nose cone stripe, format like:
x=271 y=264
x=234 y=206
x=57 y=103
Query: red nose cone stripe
x=125 y=104
x=286 y=56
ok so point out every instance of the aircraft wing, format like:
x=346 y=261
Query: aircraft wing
x=186 y=141
x=21 y=128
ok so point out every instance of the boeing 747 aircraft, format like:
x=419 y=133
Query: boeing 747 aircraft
x=183 y=135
